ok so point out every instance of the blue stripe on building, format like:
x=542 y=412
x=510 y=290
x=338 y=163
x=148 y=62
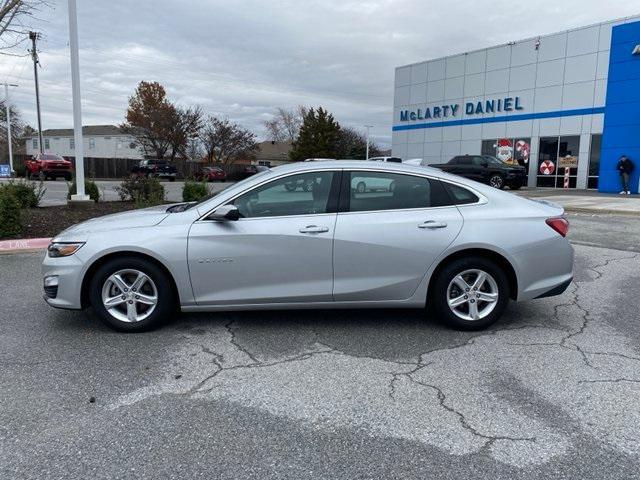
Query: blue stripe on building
x=503 y=118
x=621 y=133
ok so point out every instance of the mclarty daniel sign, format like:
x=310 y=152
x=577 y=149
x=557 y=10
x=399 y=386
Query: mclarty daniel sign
x=506 y=104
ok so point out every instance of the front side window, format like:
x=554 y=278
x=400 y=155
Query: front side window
x=302 y=194
x=369 y=191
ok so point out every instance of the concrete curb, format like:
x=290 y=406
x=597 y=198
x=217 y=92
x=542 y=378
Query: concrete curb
x=602 y=211
x=22 y=245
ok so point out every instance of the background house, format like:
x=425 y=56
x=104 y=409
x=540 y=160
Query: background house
x=100 y=141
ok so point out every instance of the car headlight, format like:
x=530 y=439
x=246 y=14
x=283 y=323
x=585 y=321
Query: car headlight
x=63 y=249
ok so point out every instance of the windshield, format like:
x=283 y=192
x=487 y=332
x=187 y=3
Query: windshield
x=494 y=161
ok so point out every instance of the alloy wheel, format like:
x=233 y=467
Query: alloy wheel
x=472 y=295
x=129 y=295
x=496 y=181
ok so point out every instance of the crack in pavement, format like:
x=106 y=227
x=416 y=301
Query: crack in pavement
x=324 y=384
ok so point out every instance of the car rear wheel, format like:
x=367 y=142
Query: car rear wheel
x=132 y=295
x=361 y=187
x=496 y=181
x=470 y=293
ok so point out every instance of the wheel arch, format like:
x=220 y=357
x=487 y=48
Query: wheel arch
x=98 y=262
x=492 y=255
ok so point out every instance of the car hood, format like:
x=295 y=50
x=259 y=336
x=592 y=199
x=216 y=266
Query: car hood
x=145 y=217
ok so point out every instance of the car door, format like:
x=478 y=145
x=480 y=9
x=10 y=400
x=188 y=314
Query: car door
x=279 y=251
x=385 y=241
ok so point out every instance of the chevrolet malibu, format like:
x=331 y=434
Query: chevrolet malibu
x=423 y=238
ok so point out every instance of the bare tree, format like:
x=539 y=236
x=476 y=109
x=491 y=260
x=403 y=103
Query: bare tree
x=225 y=142
x=185 y=126
x=285 y=124
x=18 y=130
x=16 y=17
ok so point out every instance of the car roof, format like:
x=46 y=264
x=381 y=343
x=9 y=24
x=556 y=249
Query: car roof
x=354 y=164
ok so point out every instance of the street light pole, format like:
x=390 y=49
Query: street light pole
x=6 y=104
x=368 y=127
x=77 y=108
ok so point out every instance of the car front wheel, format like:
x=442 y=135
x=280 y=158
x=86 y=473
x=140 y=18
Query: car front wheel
x=496 y=181
x=131 y=295
x=470 y=293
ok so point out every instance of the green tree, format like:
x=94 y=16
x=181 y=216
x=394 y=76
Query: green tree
x=352 y=144
x=319 y=136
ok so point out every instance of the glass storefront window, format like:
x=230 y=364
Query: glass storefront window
x=509 y=150
x=548 y=152
x=552 y=150
x=594 y=161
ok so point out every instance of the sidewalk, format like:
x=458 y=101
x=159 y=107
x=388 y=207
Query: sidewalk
x=586 y=201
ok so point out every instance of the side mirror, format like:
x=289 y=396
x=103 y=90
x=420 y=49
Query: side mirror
x=225 y=213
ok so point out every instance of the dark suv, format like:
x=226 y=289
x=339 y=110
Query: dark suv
x=485 y=169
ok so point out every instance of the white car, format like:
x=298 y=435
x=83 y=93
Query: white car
x=415 y=235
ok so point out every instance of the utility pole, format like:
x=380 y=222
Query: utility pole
x=77 y=107
x=368 y=127
x=6 y=104
x=34 y=55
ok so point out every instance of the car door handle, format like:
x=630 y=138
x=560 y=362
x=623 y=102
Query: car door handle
x=314 y=229
x=432 y=224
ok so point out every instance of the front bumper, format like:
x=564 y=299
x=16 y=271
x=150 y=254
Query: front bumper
x=69 y=273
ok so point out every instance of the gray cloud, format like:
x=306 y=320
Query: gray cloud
x=244 y=58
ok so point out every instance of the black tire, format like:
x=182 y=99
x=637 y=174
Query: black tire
x=361 y=187
x=67 y=177
x=439 y=293
x=164 y=308
x=515 y=186
x=496 y=181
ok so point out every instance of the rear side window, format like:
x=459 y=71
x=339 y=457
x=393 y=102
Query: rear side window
x=371 y=191
x=459 y=195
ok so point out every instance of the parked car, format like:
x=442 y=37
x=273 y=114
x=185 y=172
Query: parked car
x=485 y=169
x=155 y=168
x=461 y=247
x=211 y=174
x=48 y=165
x=250 y=170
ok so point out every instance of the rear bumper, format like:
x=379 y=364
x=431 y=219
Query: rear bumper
x=557 y=290
x=544 y=269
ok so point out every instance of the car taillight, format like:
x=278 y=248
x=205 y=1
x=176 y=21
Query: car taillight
x=559 y=224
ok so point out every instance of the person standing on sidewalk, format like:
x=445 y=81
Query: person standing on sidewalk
x=625 y=167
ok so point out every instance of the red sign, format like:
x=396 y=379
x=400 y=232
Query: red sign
x=547 y=167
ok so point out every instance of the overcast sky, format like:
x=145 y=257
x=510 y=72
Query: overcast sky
x=244 y=58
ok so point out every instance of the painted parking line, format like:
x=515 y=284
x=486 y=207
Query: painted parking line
x=23 y=244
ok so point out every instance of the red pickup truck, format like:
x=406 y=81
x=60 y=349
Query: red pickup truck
x=48 y=165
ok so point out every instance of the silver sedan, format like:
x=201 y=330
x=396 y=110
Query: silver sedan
x=360 y=235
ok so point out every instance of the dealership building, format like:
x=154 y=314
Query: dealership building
x=562 y=105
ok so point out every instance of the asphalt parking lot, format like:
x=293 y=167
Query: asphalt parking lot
x=552 y=391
